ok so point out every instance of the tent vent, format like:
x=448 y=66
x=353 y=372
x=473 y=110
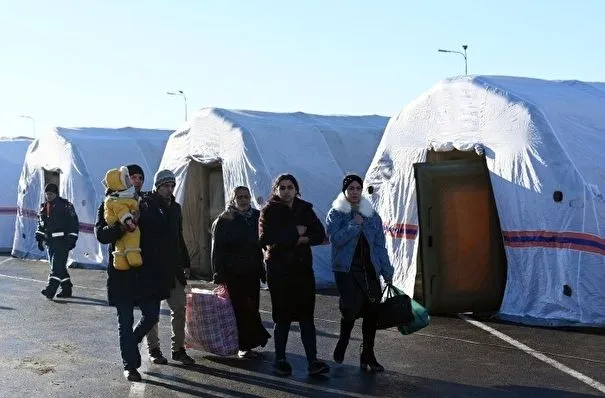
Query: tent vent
x=557 y=196
x=567 y=290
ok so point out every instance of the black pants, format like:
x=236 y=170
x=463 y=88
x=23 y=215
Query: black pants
x=307 y=334
x=244 y=292
x=58 y=250
x=131 y=337
x=355 y=288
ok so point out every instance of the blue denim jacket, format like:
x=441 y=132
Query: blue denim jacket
x=344 y=234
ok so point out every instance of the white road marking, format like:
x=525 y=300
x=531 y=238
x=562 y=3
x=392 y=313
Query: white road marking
x=5 y=260
x=538 y=355
x=44 y=281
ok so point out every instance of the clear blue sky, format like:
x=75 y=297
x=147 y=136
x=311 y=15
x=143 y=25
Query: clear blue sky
x=110 y=62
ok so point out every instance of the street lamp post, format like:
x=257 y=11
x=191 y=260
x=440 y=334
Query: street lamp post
x=182 y=94
x=33 y=123
x=464 y=47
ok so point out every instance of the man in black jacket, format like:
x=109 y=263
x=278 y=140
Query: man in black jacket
x=173 y=269
x=58 y=227
x=142 y=287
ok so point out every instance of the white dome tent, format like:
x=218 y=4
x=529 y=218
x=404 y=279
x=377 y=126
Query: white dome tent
x=219 y=149
x=12 y=154
x=493 y=186
x=76 y=159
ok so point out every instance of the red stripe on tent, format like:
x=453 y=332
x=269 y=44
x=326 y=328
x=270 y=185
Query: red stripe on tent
x=28 y=213
x=11 y=211
x=557 y=245
x=546 y=234
x=401 y=231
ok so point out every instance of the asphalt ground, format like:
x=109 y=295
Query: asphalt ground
x=69 y=348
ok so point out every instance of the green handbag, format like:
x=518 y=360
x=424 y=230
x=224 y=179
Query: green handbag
x=421 y=320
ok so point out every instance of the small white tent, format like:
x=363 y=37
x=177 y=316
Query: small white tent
x=219 y=149
x=542 y=147
x=12 y=154
x=76 y=159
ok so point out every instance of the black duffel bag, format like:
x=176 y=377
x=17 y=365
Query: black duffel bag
x=396 y=310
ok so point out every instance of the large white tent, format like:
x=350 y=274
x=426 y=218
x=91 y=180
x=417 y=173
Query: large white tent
x=76 y=159
x=12 y=154
x=219 y=149
x=543 y=143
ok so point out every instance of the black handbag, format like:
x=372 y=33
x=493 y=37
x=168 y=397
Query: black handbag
x=396 y=310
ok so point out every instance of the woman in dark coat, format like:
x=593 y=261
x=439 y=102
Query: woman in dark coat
x=237 y=260
x=288 y=228
x=359 y=259
x=142 y=287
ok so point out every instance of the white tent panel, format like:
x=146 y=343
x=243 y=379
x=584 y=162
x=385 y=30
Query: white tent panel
x=12 y=154
x=80 y=157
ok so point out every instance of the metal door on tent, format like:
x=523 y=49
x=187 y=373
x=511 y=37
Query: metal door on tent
x=216 y=198
x=462 y=257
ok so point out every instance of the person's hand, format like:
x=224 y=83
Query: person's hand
x=130 y=226
x=135 y=216
x=302 y=240
x=388 y=281
x=72 y=244
x=187 y=272
x=263 y=277
x=217 y=279
x=40 y=245
x=358 y=219
x=301 y=229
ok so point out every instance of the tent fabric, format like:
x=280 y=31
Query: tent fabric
x=12 y=154
x=538 y=137
x=254 y=147
x=81 y=156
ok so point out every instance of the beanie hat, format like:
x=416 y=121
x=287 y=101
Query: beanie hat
x=51 y=188
x=349 y=179
x=135 y=169
x=162 y=177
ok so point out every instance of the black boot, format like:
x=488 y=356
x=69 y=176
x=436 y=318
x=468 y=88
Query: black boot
x=367 y=360
x=65 y=292
x=343 y=340
x=48 y=293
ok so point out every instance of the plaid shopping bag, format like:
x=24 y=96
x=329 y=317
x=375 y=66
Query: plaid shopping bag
x=210 y=322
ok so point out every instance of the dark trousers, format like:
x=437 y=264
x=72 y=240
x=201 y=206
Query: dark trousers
x=307 y=334
x=58 y=250
x=129 y=337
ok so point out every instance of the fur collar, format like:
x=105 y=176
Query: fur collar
x=343 y=205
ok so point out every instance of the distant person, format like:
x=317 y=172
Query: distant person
x=237 y=260
x=142 y=287
x=174 y=266
x=288 y=228
x=359 y=258
x=58 y=228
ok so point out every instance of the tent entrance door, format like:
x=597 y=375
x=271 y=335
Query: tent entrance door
x=461 y=258
x=204 y=200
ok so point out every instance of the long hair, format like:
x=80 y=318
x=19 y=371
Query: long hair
x=283 y=177
x=233 y=195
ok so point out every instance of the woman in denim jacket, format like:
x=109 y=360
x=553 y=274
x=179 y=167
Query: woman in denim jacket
x=359 y=258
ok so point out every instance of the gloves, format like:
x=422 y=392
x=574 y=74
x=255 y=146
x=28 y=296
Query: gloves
x=40 y=245
x=72 y=244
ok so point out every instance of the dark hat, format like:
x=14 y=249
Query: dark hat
x=349 y=179
x=135 y=169
x=51 y=188
x=162 y=177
